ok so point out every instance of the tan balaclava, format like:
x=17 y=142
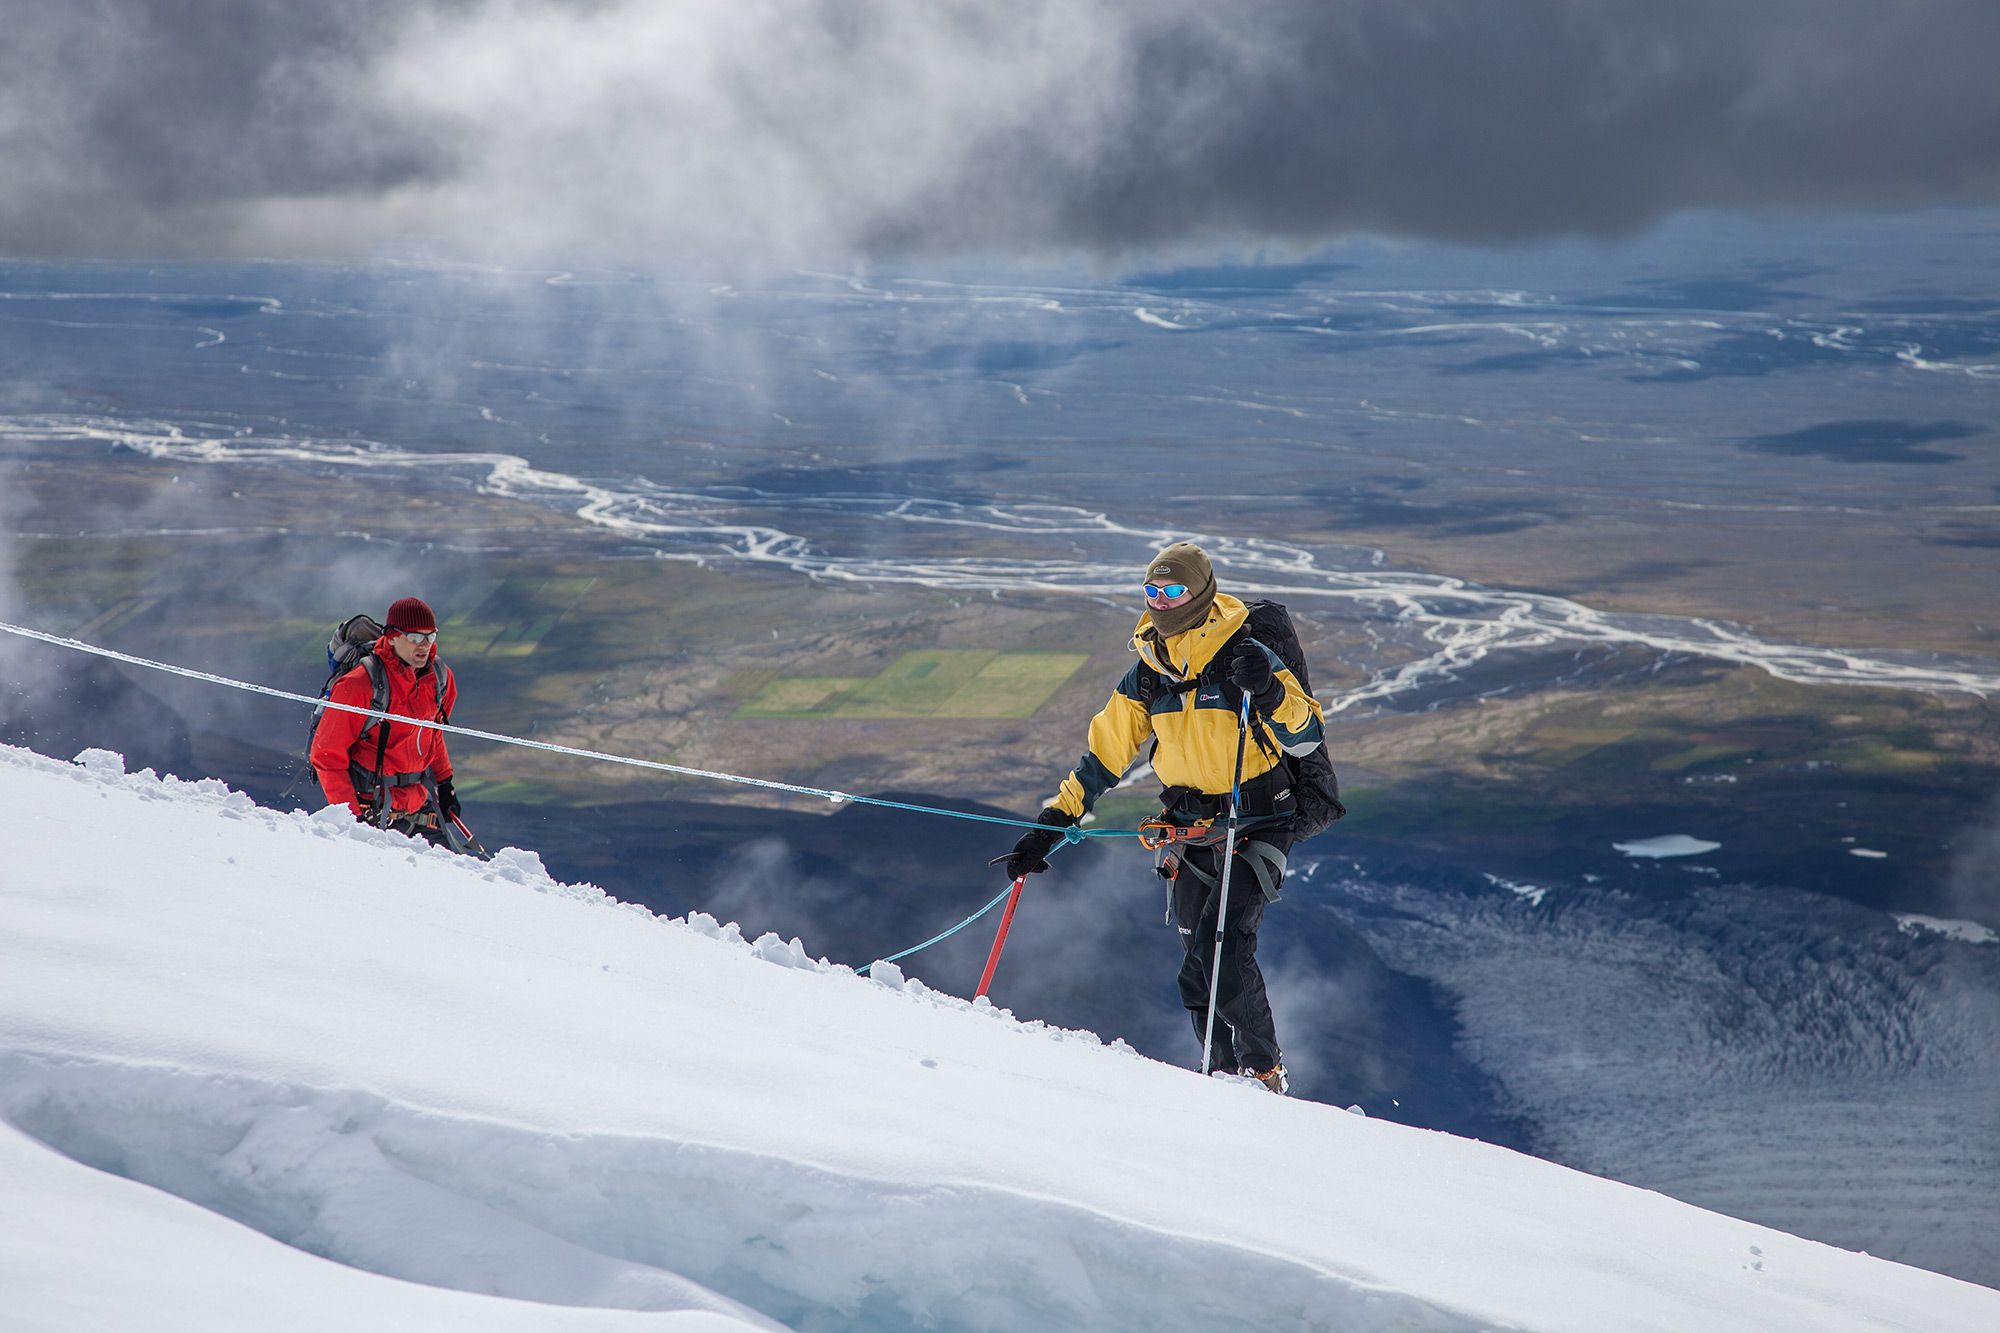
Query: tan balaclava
x=1183 y=562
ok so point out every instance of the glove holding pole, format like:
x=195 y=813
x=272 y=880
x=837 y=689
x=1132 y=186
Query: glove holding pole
x=1029 y=857
x=1031 y=853
x=1228 y=862
x=1250 y=671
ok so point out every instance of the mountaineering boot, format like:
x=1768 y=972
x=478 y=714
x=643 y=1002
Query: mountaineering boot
x=1273 y=1078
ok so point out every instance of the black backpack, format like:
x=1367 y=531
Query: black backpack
x=1314 y=786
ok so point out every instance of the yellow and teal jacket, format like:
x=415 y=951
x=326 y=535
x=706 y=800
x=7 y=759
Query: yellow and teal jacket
x=1196 y=728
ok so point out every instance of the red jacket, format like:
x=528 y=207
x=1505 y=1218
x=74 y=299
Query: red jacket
x=346 y=740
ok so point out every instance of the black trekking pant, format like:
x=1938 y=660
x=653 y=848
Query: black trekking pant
x=1245 y=1034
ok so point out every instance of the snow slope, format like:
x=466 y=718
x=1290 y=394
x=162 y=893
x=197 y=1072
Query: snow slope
x=370 y=1085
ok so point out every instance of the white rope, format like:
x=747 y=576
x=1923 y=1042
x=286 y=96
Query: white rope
x=78 y=645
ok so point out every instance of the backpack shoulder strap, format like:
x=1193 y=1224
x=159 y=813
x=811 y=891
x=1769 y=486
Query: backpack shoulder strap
x=378 y=683
x=378 y=700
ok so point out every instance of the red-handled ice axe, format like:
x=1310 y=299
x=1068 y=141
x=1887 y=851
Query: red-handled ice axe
x=465 y=844
x=1000 y=938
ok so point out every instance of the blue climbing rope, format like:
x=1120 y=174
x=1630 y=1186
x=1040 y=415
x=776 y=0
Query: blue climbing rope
x=1071 y=834
x=947 y=934
x=942 y=935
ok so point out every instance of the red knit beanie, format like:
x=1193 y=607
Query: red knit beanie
x=412 y=613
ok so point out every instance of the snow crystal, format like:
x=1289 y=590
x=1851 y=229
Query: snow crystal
x=1671 y=844
x=517 y=866
x=1966 y=932
x=1533 y=893
x=102 y=763
x=785 y=953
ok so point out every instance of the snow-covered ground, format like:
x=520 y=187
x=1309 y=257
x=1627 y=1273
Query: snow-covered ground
x=263 y=1070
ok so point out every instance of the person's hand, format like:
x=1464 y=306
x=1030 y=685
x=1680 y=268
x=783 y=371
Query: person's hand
x=447 y=799
x=1250 y=671
x=1031 y=853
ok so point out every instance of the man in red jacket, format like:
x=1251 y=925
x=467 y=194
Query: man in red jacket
x=384 y=772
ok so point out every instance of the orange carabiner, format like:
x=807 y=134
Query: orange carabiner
x=1157 y=833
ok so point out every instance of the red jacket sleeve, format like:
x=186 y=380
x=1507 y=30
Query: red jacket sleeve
x=333 y=740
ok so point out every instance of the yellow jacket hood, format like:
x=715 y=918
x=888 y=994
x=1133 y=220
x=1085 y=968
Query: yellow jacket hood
x=1183 y=655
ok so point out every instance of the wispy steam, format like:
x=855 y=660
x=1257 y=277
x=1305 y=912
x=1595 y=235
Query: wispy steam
x=730 y=129
x=1972 y=888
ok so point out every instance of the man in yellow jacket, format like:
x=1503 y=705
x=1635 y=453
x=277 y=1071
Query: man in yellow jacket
x=1197 y=659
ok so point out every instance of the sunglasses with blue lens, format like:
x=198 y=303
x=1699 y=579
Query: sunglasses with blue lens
x=1165 y=590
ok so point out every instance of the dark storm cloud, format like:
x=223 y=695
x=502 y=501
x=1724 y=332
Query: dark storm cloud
x=813 y=128
x=141 y=124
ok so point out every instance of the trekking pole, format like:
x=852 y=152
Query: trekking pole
x=1222 y=908
x=1000 y=938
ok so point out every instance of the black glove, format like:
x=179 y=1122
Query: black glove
x=447 y=799
x=1031 y=854
x=1250 y=671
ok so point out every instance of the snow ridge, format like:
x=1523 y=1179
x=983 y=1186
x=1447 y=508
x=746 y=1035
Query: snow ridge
x=614 y=1221
x=263 y=1069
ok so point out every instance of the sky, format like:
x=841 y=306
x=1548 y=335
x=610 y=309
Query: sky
x=264 y=1069
x=771 y=132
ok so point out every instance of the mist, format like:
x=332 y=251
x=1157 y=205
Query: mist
x=27 y=671
x=1972 y=888
x=758 y=132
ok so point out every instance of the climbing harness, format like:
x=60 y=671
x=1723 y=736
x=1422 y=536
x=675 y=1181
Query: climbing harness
x=1159 y=832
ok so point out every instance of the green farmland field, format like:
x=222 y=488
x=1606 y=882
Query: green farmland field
x=934 y=683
